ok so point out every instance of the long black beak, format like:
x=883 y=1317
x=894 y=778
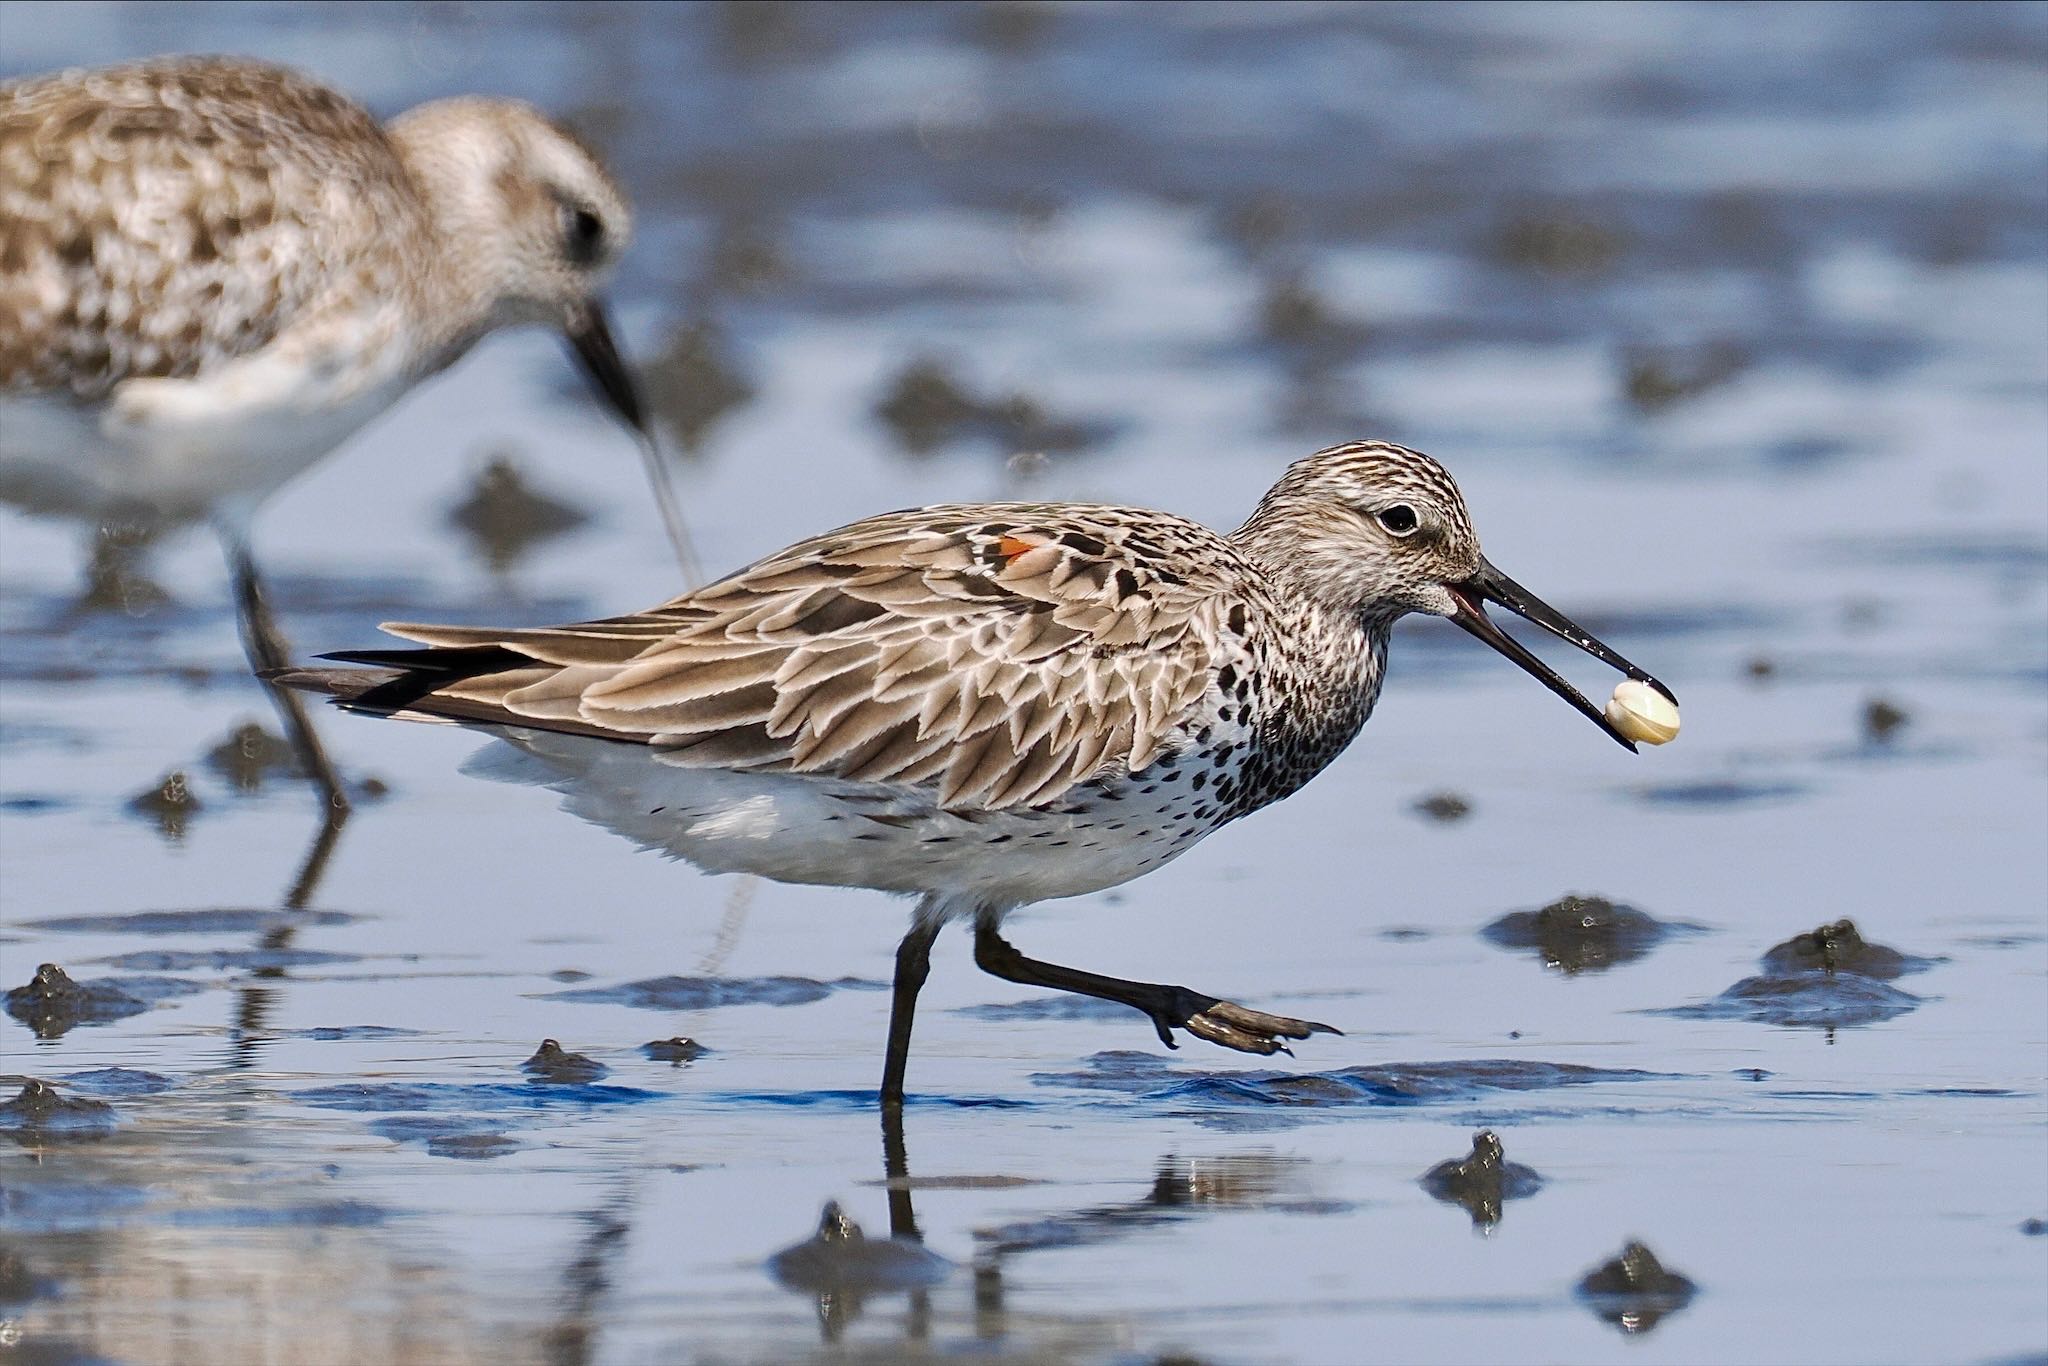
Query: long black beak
x=1490 y=585
x=590 y=336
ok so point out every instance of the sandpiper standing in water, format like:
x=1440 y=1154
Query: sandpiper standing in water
x=212 y=271
x=987 y=705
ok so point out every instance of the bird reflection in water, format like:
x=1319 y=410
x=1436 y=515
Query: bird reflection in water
x=845 y=1268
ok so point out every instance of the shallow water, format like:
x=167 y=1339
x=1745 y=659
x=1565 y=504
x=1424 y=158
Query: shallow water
x=1731 y=325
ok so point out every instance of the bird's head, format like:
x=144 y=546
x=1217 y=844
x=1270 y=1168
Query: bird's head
x=1379 y=531
x=531 y=220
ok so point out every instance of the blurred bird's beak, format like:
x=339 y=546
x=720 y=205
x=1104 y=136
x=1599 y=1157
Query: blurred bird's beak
x=590 y=336
x=1490 y=585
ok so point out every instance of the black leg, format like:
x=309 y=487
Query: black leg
x=1170 y=1008
x=265 y=646
x=913 y=965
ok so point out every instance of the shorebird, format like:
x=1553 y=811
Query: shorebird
x=986 y=705
x=212 y=271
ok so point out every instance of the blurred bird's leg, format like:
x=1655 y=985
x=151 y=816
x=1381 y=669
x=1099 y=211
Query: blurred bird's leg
x=266 y=648
x=116 y=576
x=1170 y=1008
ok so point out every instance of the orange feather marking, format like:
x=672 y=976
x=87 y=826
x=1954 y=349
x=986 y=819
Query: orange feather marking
x=1010 y=547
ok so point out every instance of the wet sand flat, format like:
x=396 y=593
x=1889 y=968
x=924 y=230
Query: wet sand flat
x=1729 y=328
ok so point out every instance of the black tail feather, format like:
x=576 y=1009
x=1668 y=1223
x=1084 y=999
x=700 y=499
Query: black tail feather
x=462 y=661
x=396 y=678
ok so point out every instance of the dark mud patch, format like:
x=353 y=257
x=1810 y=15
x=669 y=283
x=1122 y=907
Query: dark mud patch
x=337 y=1033
x=1577 y=934
x=1841 y=947
x=1482 y=1181
x=119 y=1081
x=694 y=382
x=1442 y=807
x=1061 y=1007
x=472 y=1147
x=865 y=1100
x=506 y=516
x=472 y=1137
x=1807 y=1000
x=995 y=1182
x=83 y=1206
x=315 y=1214
x=1387 y=1084
x=35 y=804
x=450 y=1097
x=19 y=1283
x=41 y=1110
x=234 y=920
x=927 y=407
x=555 y=1065
x=705 y=993
x=225 y=960
x=1634 y=1291
x=52 y=1003
x=1721 y=792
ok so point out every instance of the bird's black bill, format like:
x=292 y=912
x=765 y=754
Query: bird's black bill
x=590 y=336
x=1490 y=585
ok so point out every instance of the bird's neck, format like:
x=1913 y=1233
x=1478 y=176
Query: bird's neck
x=1321 y=674
x=453 y=289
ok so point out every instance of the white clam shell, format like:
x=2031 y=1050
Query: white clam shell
x=1642 y=713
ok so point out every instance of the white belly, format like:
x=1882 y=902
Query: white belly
x=793 y=828
x=178 y=450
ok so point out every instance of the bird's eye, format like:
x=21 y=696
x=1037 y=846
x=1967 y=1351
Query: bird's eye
x=1399 y=519
x=582 y=233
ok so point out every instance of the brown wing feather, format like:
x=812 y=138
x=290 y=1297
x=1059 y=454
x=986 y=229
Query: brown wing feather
x=263 y=188
x=1003 y=652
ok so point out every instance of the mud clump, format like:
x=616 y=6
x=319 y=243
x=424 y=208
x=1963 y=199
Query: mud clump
x=1577 y=934
x=925 y=407
x=40 y=1108
x=472 y=1147
x=505 y=516
x=1883 y=719
x=51 y=1002
x=1634 y=1291
x=1655 y=380
x=840 y=1265
x=693 y=383
x=1841 y=947
x=678 y=1050
x=1483 y=1181
x=841 y=1256
x=1443 y=807
x=251 y=754
x=1558 y=244
x=170 y=804
x=1826 y=978
x=1810 y=1000
x=556 y=1066
x=703 y=993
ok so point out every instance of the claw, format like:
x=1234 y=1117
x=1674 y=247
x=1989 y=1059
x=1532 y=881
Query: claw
x=1248 y=1031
